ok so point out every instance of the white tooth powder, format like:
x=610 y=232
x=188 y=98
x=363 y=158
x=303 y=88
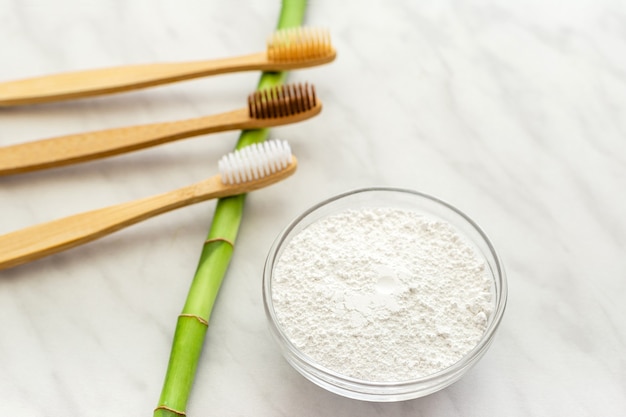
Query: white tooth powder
x=382 y=294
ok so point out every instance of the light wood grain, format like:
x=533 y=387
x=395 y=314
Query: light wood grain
x=70 y=149
x=48 y=238
x=89 y=83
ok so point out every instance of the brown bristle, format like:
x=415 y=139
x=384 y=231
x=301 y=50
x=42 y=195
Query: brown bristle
x=281 y=101
x=297 y=44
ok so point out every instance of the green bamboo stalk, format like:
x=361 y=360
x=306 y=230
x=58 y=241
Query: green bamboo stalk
x=215 y=257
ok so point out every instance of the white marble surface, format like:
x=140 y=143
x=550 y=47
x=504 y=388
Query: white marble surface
x=515 y=112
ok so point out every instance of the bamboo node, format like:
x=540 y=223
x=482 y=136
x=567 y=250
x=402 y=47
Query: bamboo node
x=220 y=239
x=194 y=316
x=166 y=408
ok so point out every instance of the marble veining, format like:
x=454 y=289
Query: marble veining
x=515 y=112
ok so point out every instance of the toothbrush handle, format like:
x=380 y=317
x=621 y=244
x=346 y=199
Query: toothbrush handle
x=65 y=150
x=48 y=238
x=80 y=84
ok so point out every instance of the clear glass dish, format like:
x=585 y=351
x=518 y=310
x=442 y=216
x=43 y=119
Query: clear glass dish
x=386 y=391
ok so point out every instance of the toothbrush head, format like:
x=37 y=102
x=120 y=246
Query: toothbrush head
x=300 y=44
x=257 y=161
x=283 y=101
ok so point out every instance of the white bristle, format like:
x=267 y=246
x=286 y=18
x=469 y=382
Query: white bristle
x=254 y=162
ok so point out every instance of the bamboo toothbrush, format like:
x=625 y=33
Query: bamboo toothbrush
x=286 y=49
x=269 y=107
x=241 y=171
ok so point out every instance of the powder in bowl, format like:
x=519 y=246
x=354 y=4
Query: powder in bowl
x=382 y=294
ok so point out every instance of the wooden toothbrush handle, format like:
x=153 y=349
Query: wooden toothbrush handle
x=48 y=238
x=80 y=84
x=65 y=150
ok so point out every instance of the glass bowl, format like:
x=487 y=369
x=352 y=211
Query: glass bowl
x=386 y=391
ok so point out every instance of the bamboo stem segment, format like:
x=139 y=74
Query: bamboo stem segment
x=214 y=260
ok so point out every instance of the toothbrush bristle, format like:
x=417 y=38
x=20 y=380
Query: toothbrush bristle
x=254 y=162
x=281 y=101
x=297 y=44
